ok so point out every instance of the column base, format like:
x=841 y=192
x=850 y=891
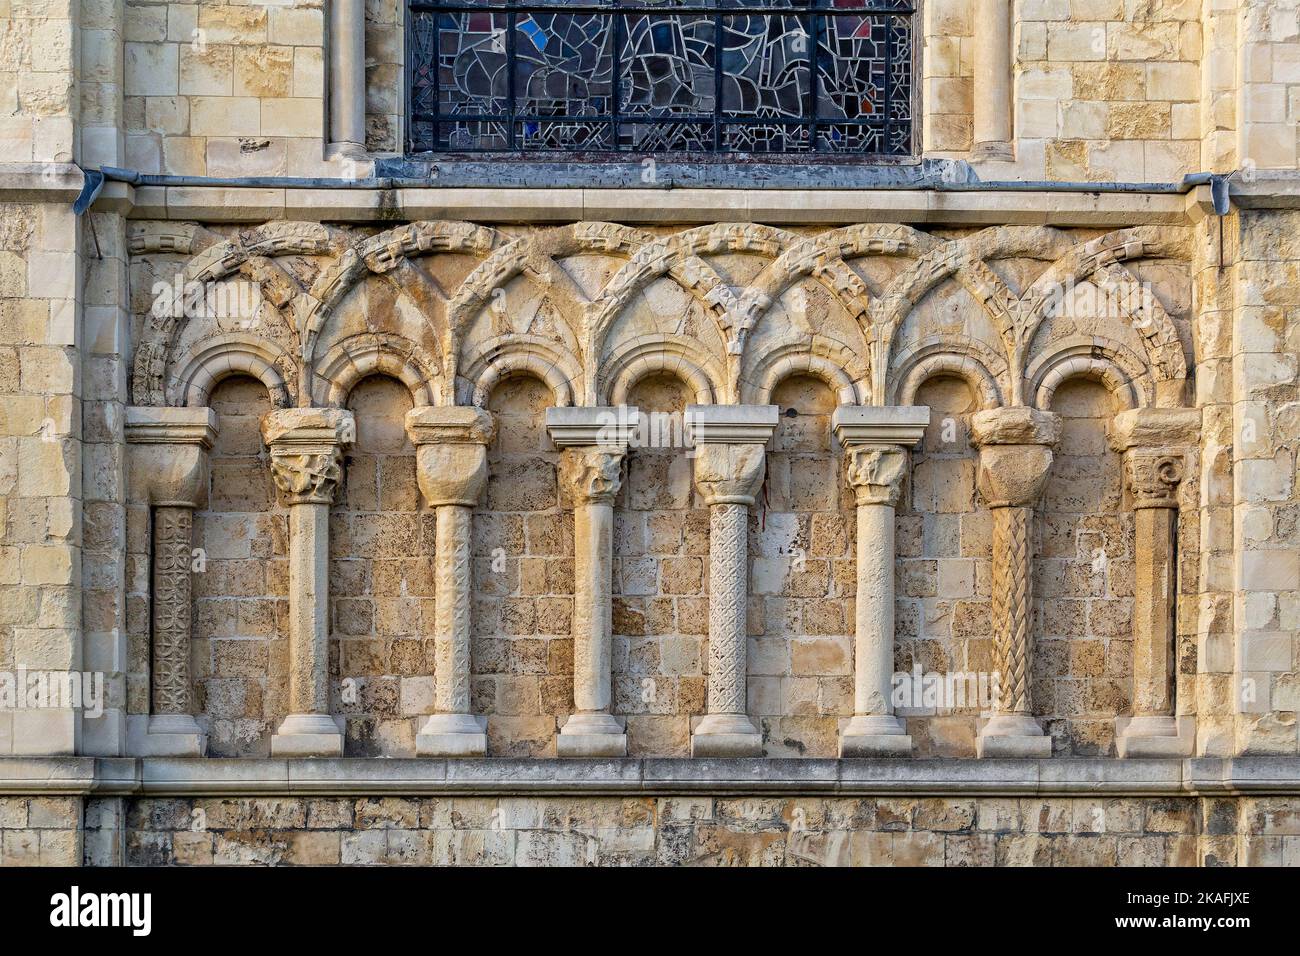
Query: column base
x=452 y=735
x=875 y=735
x=165 y=735
x=992 y=151
x=1155 y=736
x=308 y=735
x=591 y=735
x=1007 y=735
x=726 y=735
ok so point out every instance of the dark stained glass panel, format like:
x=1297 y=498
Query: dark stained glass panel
x=661 y=76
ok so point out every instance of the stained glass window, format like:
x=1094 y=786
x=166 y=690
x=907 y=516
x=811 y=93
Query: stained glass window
x=660 y=76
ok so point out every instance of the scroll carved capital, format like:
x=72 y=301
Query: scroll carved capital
x=875 y=473
x=591 y=475
x=730 y=473
x=308 y=478
x=1153 y=478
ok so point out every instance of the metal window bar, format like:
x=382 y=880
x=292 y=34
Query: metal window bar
x=437 y=43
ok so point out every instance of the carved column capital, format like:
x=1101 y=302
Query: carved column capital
x=451 y=452
x=876 y=473
x=591 y=475
x=1153 y=478
x=168 y=456
x=307 y=451
x=1015 y=447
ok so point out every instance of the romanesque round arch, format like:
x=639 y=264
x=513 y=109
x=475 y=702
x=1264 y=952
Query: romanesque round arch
x=965 y=358
x=648 y=355
x=373 y=353
x=506 y=356
x=834 y=363
x=203 y=367
x=1122 y=373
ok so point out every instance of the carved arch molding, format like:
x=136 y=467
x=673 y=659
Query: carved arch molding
x=451 y=308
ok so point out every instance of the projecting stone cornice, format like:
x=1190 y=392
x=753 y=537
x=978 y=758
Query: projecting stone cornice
x=1057 y=776
x=826 y=207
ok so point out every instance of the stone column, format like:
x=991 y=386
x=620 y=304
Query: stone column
x=875 y=442
x=730 y=461
x=1153 y=442
x=993 y=82
x=594 y=443
x=307 y=465
x=168 y=470
x=347 y=77
x=1015 y=447
x=451 y=467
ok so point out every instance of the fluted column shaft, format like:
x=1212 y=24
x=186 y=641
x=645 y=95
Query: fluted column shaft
x=730 y=463
x=451 y=469
x=307 y=466
x=1015 y=460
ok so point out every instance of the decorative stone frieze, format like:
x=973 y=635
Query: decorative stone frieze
x=1015 y=446
x=168 y=470
x=594 y=444
x=307 y=466
x=1154 y=443
x=875 y=442
x=730 y=462
x=451 y=469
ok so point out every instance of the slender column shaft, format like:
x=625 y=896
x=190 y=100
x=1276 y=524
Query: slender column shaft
x=592 y=476
x=1013 y=583
x=1154 y=443
x=730 y=462
x=875 y=441
x=1153 y=617
x=347 y=92
x=873 y=647
x=593 y=532
x=309 y=608
x=172 y=690
x=992 y=105
x=728 y=560
x=452 y=614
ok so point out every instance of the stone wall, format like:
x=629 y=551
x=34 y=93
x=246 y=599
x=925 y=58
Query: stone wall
x=703 y=830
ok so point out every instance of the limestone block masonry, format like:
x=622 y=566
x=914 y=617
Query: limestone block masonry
x=381 y=506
